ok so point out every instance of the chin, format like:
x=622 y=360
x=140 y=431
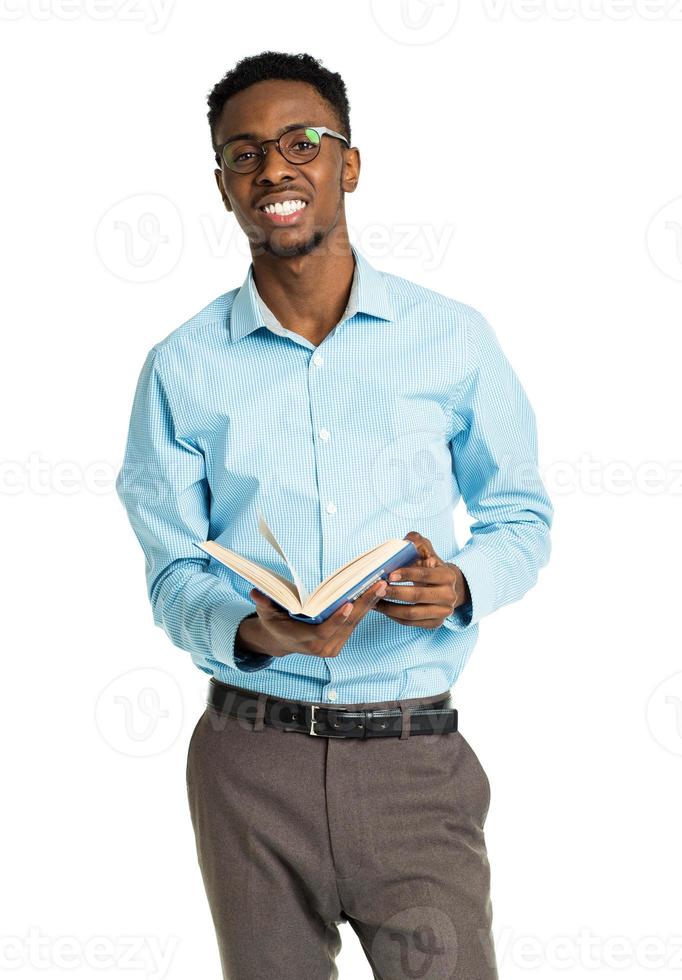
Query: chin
x=272 y=247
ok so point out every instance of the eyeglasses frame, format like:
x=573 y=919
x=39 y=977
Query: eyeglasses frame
x=320 y=130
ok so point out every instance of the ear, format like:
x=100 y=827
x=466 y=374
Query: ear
x=221 y=187
x=351 y=169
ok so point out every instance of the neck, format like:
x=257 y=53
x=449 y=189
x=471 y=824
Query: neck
x=307 y=293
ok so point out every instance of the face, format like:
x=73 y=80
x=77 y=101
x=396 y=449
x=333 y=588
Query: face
x=265 y=109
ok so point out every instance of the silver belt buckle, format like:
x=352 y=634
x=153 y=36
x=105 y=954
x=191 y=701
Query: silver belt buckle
x=311 y=730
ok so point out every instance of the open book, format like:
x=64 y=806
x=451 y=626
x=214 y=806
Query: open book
x=343 y=585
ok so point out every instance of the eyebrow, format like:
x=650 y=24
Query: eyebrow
x=254 y=136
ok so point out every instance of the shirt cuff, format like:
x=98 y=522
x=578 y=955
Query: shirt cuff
x=251 y=661
x=479 y=576
x=247 y=660
x=224 y=623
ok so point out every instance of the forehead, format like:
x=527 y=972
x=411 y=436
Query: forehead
x=266 y=107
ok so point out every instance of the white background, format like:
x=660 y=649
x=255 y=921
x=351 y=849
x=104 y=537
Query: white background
x=553 y=206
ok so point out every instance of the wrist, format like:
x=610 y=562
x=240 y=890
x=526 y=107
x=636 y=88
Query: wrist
x=249 y=638
x=464 y=585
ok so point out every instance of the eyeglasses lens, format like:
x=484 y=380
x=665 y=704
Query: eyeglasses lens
x=297 y=146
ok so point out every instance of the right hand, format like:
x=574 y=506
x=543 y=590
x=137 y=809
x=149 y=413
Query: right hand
x=281 y=634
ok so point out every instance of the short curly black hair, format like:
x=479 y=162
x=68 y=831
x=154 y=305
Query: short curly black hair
x=290 y=67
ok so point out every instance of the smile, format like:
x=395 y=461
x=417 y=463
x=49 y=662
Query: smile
x=283 y=207
x=287 y=213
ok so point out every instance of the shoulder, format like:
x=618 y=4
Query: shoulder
x=417 y=304
x=410 y=296
x=205 y=330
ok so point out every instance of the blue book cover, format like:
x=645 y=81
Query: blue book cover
x=345 y=584
x=404 y=557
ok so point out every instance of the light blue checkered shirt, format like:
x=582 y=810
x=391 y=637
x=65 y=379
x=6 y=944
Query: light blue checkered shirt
x=407 y=403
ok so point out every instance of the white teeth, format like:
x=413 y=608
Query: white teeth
x=284 y=207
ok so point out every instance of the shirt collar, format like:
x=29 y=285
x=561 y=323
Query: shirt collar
x=368 y=295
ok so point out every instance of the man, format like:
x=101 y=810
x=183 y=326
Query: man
x=327 y=780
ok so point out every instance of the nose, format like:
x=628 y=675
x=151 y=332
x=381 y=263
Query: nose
x=274 y=166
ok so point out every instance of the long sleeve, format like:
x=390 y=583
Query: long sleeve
x=163 y=486
x=494 y=458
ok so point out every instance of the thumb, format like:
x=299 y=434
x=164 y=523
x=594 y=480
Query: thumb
x=262 y=601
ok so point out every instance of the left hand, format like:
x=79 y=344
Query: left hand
x=439 y=588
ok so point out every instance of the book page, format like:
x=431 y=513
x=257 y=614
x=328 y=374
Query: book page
x=269 y=536
x=345 y=577
x=346 y=572
x=276 y=586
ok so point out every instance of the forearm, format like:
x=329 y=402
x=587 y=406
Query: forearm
x=164 y=488
x=495 y=462
x=200 y=612
x=249 y=647
x=500 y=564
x=250 y=636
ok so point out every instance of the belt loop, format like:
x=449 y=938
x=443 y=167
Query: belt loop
x=260 y=713
x=405 y=720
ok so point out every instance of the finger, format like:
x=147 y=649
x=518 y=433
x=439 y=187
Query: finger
x=434 y=574
x=413 y=615
x=369 y=597
x=412 y=593
x=340 y=626
x=431 y=592
x=361 y=605
x=266 y=606
x=423 y=544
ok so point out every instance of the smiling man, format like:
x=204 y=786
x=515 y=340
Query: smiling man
x=327 y=778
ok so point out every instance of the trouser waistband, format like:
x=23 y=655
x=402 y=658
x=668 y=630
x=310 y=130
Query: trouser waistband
x=428 y=715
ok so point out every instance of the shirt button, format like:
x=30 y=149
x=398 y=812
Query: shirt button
x=332 y=695
x=324 y=434
x=331 y=508
x=318 y=360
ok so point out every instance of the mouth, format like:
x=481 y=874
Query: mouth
x=284 y=212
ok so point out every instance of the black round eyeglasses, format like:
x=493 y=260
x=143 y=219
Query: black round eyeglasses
x=299 y=146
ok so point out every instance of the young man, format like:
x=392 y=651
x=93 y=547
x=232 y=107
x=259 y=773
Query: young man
x=327 y=780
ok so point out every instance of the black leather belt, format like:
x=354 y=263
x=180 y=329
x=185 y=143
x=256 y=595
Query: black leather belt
x=436 y=718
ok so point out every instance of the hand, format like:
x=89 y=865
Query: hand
x=280 y=635
x=439 y=588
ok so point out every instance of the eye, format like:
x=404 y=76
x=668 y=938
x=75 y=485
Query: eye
x=306 y=144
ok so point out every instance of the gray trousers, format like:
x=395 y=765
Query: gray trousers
x=296 y=833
